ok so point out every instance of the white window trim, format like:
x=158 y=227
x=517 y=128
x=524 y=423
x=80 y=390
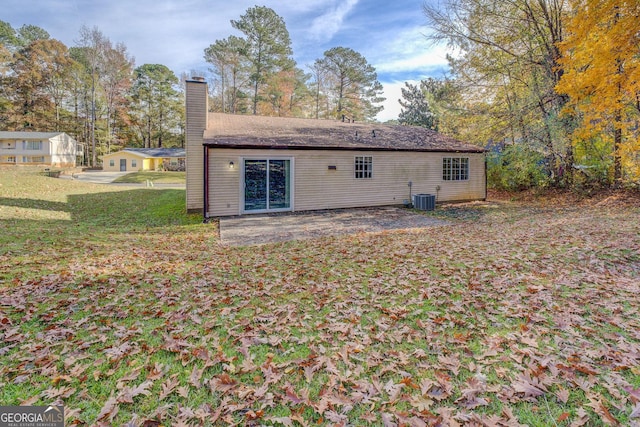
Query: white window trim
x=355 y=170
x=450 y=174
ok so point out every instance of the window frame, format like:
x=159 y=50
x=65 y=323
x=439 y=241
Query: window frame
x=363 y=167
x=290 y=196
x=33 y=145
x=455 y=168
x=134 y=163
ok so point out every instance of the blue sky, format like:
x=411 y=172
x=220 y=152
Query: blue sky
x=389 y=34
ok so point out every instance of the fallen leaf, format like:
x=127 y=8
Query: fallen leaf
x=127 y=394
x=635 y=413
x=168 y=386
x=109 y=409
x=562 y=395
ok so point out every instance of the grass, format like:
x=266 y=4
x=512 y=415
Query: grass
x=142 y=177
x=120 y=306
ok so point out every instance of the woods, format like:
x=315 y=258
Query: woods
x=550 y=87
x=91 y=91
x=552 y=83
x=256 y=74
x=94 y=91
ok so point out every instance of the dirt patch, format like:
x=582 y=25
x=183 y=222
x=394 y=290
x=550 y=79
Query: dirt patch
x=271 y=228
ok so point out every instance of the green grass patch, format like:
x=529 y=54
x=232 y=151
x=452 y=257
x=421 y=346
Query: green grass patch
x=141 y=177
x=124 y=308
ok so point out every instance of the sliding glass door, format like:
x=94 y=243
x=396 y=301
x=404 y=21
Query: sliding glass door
x=267 y=185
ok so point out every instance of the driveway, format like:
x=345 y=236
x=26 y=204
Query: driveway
x=100 y=177
x=271 y=228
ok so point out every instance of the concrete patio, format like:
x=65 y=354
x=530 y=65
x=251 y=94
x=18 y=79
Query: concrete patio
x=271 y=228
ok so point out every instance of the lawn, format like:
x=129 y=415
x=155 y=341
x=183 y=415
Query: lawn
x=142 y=177
x=118 y=305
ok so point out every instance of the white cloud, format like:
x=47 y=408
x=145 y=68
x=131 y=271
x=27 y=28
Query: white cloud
x=327 y=25
x=392 y=108
x=175 y=33
x=409 y=51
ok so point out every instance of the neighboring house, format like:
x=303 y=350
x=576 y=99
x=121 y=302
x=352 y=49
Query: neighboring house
x=251 y=164
x=145 y=159
x=54 y=149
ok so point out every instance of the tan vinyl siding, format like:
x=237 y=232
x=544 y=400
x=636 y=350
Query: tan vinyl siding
x=196 y=112
x=318 y=187
x=224 y=183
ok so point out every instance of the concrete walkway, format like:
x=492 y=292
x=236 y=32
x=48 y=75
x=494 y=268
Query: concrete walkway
x=271 y=228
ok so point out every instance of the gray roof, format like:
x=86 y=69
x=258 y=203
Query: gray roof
x=240 y=131
x=158 y=152
x=28 y=135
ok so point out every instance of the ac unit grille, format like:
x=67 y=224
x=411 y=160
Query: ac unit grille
x=424 y=202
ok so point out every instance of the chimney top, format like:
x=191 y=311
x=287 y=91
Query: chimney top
x=197 y=79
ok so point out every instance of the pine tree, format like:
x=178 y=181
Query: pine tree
x=416 y=110
x=268 y=46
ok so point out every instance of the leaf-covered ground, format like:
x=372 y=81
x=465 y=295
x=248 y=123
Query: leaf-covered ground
x=126 y=310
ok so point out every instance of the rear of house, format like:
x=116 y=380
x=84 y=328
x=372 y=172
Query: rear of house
x=245 y=180
x=250 y=164
x=53 y=149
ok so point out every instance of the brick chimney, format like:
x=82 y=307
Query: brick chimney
x=197 y=108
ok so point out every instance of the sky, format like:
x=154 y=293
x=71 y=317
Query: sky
x=175 y=33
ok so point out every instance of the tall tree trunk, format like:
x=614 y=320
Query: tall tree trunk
x=617 y=160
x=94 y=154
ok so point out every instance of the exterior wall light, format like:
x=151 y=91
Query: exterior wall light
x=231 y=165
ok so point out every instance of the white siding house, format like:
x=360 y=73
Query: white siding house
x=239 y=164
x=55 y=149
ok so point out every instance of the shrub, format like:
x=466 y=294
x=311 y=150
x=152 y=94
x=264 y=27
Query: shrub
x=516 y=168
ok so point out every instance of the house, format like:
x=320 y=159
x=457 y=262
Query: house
x=251 y=164
x=53 y=149
x=146 y=159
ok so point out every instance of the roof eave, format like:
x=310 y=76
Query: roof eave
x=276 y=146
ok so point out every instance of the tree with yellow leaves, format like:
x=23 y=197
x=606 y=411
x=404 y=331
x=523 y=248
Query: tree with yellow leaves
x=601 y=64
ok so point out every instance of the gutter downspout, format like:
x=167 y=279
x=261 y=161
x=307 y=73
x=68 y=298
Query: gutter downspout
x=205 y=186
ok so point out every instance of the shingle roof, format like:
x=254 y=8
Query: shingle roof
x=28 y=135
x=158 y=152
x=240 y=131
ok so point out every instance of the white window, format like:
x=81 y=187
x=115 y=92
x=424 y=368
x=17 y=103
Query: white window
x=112 y=163
x=363 y=167
x=134 y=163
x=33 y=145
x=11 y=159
x=455 y=168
